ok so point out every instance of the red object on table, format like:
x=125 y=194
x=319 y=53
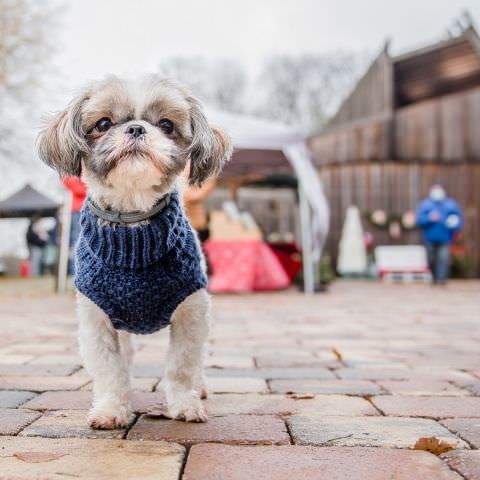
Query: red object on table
x=290 y=256
x=244 y=266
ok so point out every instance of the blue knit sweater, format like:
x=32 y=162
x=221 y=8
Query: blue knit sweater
x=138 y=275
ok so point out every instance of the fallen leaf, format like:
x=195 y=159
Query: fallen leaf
x=37 y=457
x=219 y=367
x=337 y=354
x=301 y=396
x=433 y=445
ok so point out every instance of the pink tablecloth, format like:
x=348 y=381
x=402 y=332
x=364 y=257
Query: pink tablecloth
x=244 y=266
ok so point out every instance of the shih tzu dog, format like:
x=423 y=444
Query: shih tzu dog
x=138 y=265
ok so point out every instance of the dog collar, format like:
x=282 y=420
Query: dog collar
x=128 y=217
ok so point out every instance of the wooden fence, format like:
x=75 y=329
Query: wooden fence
x=397 y=187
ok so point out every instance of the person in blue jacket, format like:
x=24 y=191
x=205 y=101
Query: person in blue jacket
x=439 y=217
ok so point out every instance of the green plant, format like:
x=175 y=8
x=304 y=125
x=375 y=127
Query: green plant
x=326 y=273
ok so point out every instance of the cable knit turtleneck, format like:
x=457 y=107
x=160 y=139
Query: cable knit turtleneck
x=138 y=275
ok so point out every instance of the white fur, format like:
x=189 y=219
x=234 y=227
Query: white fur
x=108 y=365
x=107 y=355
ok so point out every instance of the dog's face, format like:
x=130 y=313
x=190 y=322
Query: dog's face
x=123 y=135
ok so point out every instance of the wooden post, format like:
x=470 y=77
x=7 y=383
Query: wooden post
x=308 y=263
x=64 y=244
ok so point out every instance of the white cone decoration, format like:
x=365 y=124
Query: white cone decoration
x=352 y=255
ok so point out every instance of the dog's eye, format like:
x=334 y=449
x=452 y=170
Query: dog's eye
x=103 y=124
x=166 y=125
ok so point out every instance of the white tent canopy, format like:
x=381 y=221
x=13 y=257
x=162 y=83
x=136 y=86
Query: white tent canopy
x=248 y=132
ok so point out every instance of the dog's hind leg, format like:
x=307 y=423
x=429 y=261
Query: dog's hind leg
x=106 y=358
x=184 y=365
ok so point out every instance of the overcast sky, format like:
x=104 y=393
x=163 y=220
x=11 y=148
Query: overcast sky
x=124 y=36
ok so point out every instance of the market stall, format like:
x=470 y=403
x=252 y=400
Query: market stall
x=263 y=147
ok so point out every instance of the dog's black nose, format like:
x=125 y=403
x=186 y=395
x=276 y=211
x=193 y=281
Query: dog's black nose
x=135 y=130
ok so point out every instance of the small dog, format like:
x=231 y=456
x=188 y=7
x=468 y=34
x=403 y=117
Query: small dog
x=138 y=263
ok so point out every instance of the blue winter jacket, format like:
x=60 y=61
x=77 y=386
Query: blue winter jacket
x=438 y=232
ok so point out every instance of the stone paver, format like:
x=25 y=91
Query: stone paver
x=467 y=463
x=472 y=387
x=81 y=400
x=26 y=458
x=285 y=361
x=58 y=359
x=60 y=401
x=36 y=370
x=12 y=421
x=350 y=387
x=253 y=404
x=231 y=429
x=422 y=387
x=143 y=384
x=374 y=373
x=361 y=373
x=467 y=428
x=67 y=423
x=428 y=406
x=15 y=359
x=308 y=463
x=229 y=362
x=391 y=432
x=41 y=384
x=13 y=399
x=236 y=385
x=317 y=373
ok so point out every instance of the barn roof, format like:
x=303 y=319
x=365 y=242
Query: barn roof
x=446 y=67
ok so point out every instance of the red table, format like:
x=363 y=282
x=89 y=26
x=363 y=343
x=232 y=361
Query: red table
x=244 y=266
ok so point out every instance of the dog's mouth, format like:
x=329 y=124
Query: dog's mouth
x=135 y=146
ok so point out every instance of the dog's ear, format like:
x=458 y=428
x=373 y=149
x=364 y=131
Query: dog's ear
x=61 y=143
x=210 y=147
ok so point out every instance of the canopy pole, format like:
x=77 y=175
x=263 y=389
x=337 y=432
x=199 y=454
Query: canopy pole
x=305 y=221
x=64 y=244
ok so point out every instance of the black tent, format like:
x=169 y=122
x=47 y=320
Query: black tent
x=26 y=203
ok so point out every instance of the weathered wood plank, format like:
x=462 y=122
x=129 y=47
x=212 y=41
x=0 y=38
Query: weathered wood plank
x=397 y=187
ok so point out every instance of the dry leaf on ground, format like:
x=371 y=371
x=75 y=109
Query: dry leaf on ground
x=433 y=445
x=301 y=396
x=337 y=354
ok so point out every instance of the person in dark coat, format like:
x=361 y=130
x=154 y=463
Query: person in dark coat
x=37 y=238
x=440 y=218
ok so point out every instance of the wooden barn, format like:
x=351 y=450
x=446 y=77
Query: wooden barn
x=411 y=120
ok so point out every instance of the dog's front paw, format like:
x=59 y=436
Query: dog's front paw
x=102 y=418
x=188 y=407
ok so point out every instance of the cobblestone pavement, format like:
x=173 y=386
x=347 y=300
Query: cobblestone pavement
x=368 y=381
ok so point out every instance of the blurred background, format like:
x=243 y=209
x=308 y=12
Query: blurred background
x=385 y=96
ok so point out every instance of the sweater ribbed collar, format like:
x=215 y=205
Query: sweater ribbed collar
x=133 y=246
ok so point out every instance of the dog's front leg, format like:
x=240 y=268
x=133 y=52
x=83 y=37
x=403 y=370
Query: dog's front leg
x=106 y=359
x=184 y=365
